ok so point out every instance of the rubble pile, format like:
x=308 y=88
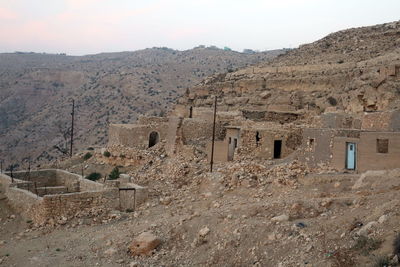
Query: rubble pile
x=252 y=174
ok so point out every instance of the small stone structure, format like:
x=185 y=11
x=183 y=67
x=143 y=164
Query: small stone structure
x=52 y=194
x=376 y=143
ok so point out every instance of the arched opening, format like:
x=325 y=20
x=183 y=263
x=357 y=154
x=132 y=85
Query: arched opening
x=154 y=138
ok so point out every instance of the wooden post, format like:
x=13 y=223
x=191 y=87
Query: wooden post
x=11 y=170
x=72 y=127
x=213 y=136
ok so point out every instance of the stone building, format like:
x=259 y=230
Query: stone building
x=347 y=144
x=342 y=141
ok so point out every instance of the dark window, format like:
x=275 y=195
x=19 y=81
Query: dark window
x=235 y=142
x=230 y=140
x=382 y=145
x=277 y=149
x=311 y=141
x=258 y=138
x=154 y=138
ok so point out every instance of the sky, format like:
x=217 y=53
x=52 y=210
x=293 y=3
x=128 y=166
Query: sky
x=79 y=27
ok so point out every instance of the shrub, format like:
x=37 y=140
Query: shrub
x=396 y=246
x=332 y=101
x=87 y=156
x=114 y=174
x=106 y=154
x=94 y=176
x=382 y=261
x=366 y=244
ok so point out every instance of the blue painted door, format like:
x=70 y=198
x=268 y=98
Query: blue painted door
x=350 y=156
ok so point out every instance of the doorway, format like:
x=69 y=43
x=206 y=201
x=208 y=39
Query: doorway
x=277 y=149
x=351 y=156
x=154 y=138
x=232 y=147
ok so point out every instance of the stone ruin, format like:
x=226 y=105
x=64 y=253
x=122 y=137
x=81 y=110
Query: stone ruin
x=52 y=194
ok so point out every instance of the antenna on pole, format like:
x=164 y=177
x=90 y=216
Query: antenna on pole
x=72 y=127
x=213 y=136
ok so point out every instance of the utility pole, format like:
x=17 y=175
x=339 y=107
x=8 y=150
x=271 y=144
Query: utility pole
x=213 y=136
x=72 y=127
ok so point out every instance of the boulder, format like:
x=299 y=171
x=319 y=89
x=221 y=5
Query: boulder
x=144 y=244
x=280 y=218
x=366 y=229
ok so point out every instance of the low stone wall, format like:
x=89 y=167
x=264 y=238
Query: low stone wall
x=42 y=177
x=88 y=185
x=70 y=180
x=23 y=201
x=67 y=205
x=56 y=204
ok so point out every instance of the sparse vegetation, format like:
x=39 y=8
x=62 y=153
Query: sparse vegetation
x=94 y=176
x=382 y=261
x=365 y=244
x=87 y=156
x=114 y=174
x=106 y=154
x=332 y=101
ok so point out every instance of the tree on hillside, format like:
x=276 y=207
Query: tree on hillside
x=65 y=132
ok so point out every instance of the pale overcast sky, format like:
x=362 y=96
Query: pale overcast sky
x=79 y=27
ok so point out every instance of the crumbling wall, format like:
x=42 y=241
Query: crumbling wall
x=381 y=121
x=145 y=120
x=195 y=131
x=340 y=120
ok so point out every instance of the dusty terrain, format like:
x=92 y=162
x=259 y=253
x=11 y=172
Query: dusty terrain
x=226 y=218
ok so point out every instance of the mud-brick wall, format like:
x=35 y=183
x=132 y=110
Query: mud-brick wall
x=370 y=159
x=67 y=205
x=220 y=151
x=317 y=146
x=136 y=136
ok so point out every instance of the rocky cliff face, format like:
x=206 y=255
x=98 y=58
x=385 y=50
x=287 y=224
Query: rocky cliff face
x=36 y=92
x=354 y=70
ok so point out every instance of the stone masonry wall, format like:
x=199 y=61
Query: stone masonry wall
x=68 y=205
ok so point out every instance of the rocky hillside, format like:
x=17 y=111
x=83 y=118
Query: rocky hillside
x=354 y=70
x=36 y=92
